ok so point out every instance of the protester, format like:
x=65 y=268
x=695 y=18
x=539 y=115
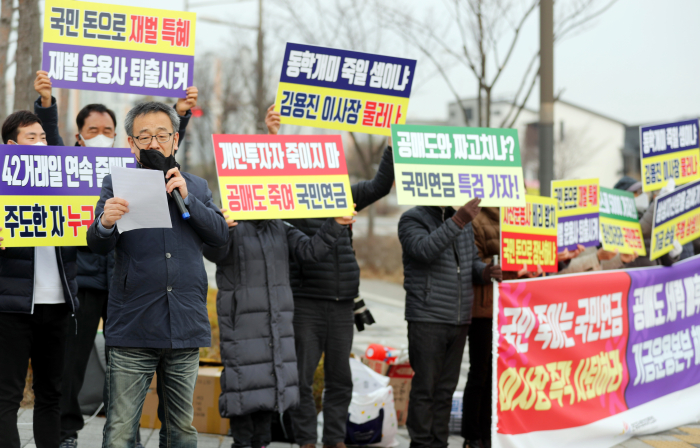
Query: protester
x=38 y=292
x=645 y=210
x=596 y=259
x=255 y=309
x=324 y=296
x=440 y=262
x=157 y=315
x=96 y=125
x=476 y=413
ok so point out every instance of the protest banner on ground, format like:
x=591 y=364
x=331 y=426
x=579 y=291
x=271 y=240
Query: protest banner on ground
x=282 y=176
x=529 y=235
x=48 y=194
x=578 y=203
x=345 y=90
x=443 y=165
x=592 y=359
x=116 y=48
x=619 y=225
x=676 y=217
x=669 y=150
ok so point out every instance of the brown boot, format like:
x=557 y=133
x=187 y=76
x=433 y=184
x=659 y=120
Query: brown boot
x=337 y=445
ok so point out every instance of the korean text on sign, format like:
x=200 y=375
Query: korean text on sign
x=344 y=90
x=577 y=353
x=529 y=235
x=578 y=203
x=560 y=342
x=619 y=226
x=283 y=176
x=669 y=151
x=48 y=194
x=113 y=48
x=450 y=166
x=676 y=218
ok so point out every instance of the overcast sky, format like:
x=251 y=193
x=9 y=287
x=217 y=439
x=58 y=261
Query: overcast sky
x=639 y=62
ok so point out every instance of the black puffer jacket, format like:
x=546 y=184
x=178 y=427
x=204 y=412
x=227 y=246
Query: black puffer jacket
x=17 y=278
x=337 y=275
x=255 y=309
x=17 y=264
x=440 y=263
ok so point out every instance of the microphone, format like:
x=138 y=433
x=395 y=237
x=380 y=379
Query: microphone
x=180 y=204
x=177 y=197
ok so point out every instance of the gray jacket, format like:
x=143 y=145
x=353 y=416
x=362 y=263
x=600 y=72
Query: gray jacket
x=255 y=309
x=440 y=262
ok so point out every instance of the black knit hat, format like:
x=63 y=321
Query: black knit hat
x=628 y=184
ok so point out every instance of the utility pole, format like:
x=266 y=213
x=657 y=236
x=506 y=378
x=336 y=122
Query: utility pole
x=546 y=125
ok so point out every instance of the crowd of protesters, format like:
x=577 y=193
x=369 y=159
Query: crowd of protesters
x=286 y=294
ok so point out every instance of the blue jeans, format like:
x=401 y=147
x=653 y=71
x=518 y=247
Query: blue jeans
x=129 y=374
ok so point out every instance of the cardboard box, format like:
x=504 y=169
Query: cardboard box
x=400 y=377
x=206 y=404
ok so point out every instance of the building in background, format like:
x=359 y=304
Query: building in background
x=586 y=144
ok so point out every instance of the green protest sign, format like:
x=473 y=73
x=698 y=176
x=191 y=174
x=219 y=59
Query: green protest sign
x=619 y=225
x=441 y=165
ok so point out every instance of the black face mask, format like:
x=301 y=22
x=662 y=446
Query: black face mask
x=155 y=160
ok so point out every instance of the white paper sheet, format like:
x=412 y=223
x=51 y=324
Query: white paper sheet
x=144 y=190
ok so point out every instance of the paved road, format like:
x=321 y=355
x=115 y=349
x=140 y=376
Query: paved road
x=386 y=301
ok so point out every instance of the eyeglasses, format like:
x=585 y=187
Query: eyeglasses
x=147 y=139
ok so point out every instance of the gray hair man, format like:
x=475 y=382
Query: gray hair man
x=157 y=317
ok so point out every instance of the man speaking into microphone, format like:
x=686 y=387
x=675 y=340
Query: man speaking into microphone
x=156 y=316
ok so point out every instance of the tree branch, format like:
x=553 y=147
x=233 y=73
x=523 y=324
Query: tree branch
x=527 y=96
x=562 y=33
x=439 y=68
x=363 y=159
x=514 y=103
x=514 y=41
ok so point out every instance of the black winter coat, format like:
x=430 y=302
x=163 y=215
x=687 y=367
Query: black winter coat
x=256 y=308
x=337 y=275
x=17 y=263
x=94 y=271
x=158 y=295
x=440 y=263
x=17 y=278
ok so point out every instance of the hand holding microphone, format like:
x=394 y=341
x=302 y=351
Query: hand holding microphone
x=177 y=188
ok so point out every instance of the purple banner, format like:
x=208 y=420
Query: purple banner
x=58 y=170
x=347 y=70
x=668 y=138
x=579 y=229
x=663 y=349
x=124 y=71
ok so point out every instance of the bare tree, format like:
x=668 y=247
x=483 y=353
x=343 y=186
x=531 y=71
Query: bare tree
x=226 y=100
x=6 y=11
x=28 y=53
x=343 y=24
x=480 y=36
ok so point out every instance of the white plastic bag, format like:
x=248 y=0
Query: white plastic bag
x=372 y=399
x=368 y=408
x=364 y=379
